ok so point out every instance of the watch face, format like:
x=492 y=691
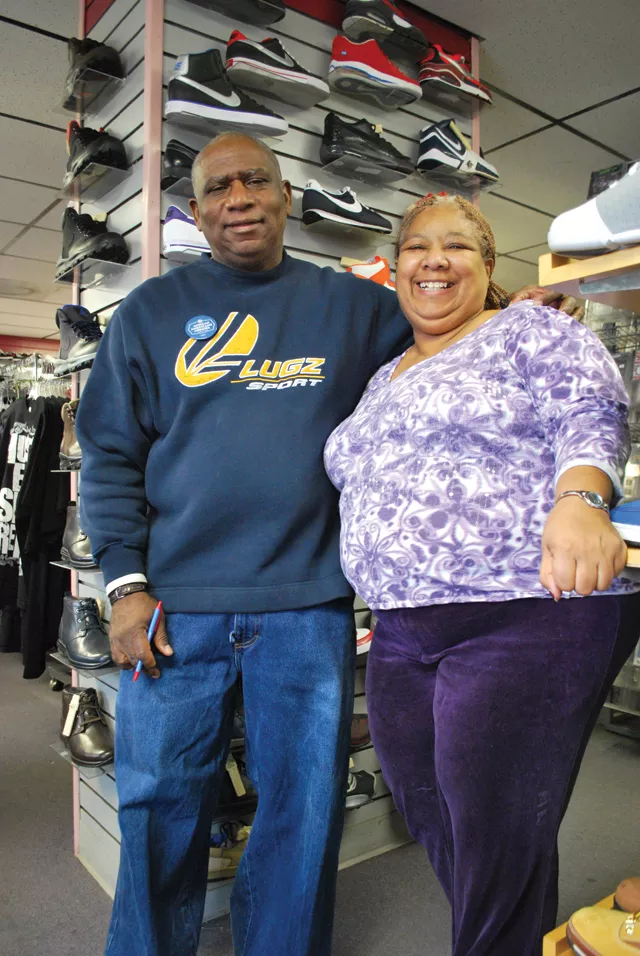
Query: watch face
x=594 y=499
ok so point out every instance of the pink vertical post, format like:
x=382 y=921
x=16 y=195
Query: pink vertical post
x=475 y=116
x=151 y=160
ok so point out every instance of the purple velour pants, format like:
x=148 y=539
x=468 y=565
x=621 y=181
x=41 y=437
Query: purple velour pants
x=480 y=714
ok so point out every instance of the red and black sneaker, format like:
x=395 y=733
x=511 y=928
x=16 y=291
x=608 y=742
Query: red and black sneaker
x=448 y=71
x=362 y=69
x=269 y=68
x=381 y=20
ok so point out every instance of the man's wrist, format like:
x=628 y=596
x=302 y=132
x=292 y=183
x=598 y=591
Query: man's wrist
x=124 y=590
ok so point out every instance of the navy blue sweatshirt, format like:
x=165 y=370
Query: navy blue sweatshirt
x=202 y=428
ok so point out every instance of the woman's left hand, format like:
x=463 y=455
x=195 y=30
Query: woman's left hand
x=581 y=549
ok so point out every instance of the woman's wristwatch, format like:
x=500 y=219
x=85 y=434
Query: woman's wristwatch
x=592 y=498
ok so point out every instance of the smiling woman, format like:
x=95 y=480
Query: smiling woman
x=465 y=474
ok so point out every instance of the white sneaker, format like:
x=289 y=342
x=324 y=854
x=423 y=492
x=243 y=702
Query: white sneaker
x=181 y=240
x=608 y=221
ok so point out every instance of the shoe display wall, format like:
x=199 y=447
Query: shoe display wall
x=90 y=63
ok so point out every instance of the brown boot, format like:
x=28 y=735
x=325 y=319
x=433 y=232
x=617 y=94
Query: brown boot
x=70 y=453
x=627 y=896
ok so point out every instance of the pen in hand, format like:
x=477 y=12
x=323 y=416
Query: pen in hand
x=151 y=630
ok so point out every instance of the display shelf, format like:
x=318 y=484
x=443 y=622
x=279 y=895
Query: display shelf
x=89 y=773
x=364 y=171
x=63 y=471
x=464 y=183
x=181 y=188
x=92 y=273
x=94 y=182
x=612 y=273
x=455 y=102
x=556 y=943
x=91 y=91
x=70 y=567
x=338 y=230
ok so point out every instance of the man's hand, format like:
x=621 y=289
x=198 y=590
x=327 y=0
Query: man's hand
x=581 y=549
x=542 y=296
x=130 y=619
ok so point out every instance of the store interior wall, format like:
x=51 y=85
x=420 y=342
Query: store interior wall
x=565 y=85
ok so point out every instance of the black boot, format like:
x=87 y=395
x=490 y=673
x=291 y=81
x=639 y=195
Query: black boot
x=88 y=738
x=85 y=146
x=85 y=55
x=176 y=163
x=84 y=238
x=76 y=547
x=81 y=636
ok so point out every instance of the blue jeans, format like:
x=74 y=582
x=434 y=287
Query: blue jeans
x=172 y=738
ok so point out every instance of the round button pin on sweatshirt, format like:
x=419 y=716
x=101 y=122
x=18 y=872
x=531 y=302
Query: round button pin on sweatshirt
x=201 y=327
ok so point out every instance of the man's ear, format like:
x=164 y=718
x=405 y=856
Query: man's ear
x=288 y=194
x=195 y=212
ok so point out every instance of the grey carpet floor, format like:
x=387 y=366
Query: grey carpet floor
x=51 y=906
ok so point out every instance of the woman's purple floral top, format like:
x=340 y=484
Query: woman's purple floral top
x=448 y=472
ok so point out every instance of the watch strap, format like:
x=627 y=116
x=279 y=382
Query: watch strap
x=124 y=590
x=592 y=498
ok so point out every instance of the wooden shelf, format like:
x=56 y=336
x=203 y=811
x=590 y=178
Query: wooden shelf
x=564 y=275
x=556 y=943
x=633 y=558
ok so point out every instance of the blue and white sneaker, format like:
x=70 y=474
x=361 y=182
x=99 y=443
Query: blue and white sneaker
x=626 y=518
x=181 y=239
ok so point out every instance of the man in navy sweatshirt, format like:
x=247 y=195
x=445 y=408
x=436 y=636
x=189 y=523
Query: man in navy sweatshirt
x=202 y=428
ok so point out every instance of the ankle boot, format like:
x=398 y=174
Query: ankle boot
x=88 y=738
x=76 y=547
x=70 y=453
x=81 y=635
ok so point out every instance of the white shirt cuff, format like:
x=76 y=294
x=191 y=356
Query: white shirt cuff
x=125 y=579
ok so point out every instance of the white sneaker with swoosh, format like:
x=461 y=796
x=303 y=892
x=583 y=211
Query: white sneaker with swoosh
x=343 y=208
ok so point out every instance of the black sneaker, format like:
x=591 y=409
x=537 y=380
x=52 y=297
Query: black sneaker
x=200 y=89
x=260 y=13
x=382 y=21
x=361 y=788
x=84 y=238
x=89 y=55
x=268 y=68
x=86 y=146
x=344 y=207
x=176 y=163
x=360 y=140
x=80 y=336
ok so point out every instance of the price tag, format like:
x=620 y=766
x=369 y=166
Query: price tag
x=71 y=716
x=234 y=774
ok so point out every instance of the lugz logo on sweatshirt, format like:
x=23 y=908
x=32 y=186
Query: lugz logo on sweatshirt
x=219 y=356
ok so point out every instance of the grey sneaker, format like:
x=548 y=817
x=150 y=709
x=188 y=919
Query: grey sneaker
x=608 y=221
x=80 y=337
x=361 y=788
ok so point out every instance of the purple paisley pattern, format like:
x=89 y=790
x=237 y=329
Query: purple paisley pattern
x=448 y=473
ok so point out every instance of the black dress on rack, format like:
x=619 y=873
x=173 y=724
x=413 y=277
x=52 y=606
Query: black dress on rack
x=38 y=500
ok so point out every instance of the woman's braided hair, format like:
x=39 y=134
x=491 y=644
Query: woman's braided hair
x=496 y=298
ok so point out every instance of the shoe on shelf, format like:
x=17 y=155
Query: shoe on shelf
x=360 y=140
x=261 y=13
x=626 y=519
x=87 y=238
x=360 y=736
x=76 y=547
x=443 y=148
x=627 y=895
x=361 y=788
x=226 y=850
x=343 y=207
x=81 y=634
x=363 y=70
x=238 y=731
x=85 y=146
x=378 y=270
x=269 y=68
x=70 y=451
x=448 y=71
x=199 y=89
x=85 y=732
x=80 y=336
x=364 y=636
x=87 y=55
x=608 y=221
x=597 y=931
x=181 y=238
x=177 y=162
x=381 y=20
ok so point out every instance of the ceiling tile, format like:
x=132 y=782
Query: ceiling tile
x=22 y=202
x=512 y=275
x=32 y=332
x=38 y=275
x=505 y=121
x=32 y=153
x=531 y=254
x=25 y=307
x=8 y=231
x=549 y=170
x=59 y=17
x=28 y=57
x=514 y=226
x=37 y=244
x=53 y=219
x=615 y=124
